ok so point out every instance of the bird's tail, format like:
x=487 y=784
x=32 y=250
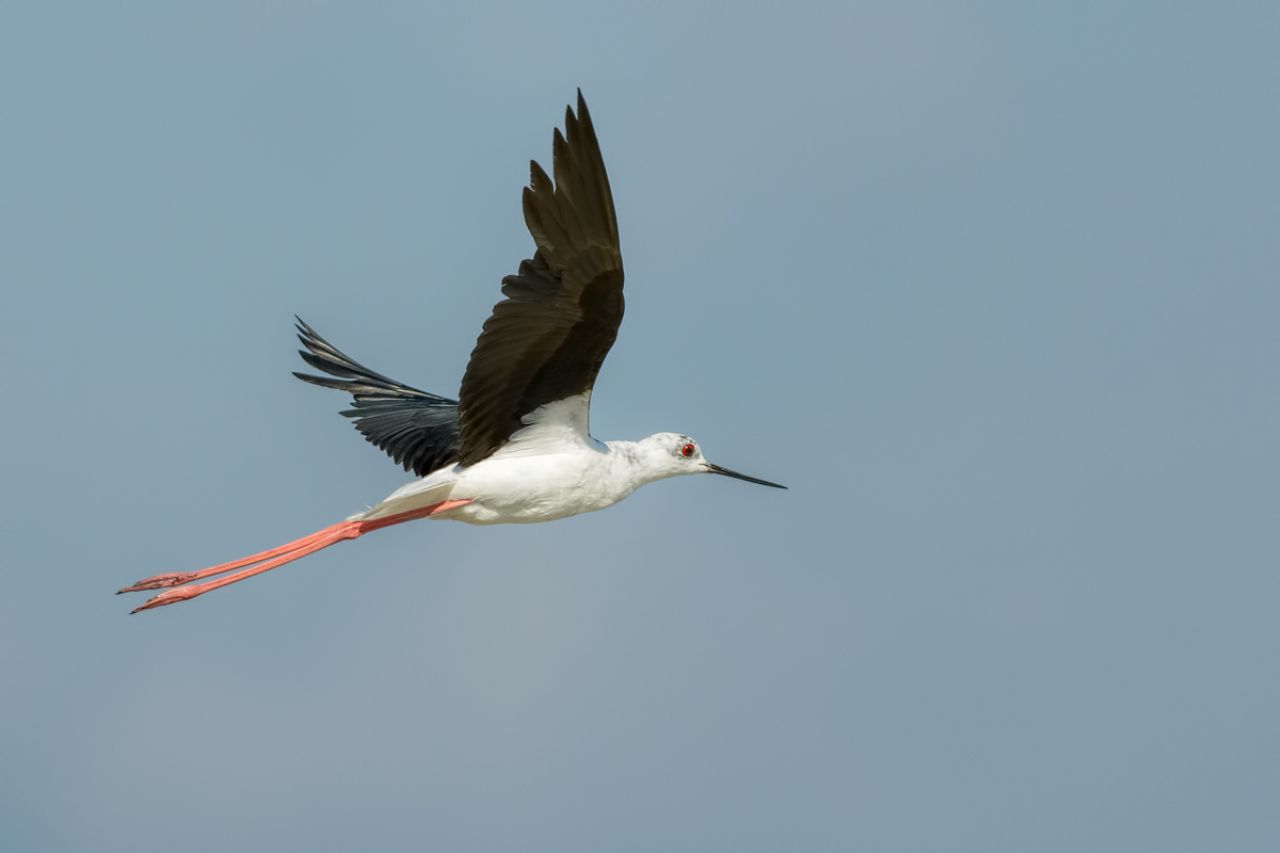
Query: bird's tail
x=180 y=586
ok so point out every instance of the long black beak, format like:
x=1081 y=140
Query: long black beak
x=716 y=469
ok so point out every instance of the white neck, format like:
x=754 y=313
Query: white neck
x=637 y=463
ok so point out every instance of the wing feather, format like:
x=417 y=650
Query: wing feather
x=547 y=339
x=417 y=429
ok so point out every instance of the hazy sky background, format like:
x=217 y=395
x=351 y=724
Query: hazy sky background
x=993 y=288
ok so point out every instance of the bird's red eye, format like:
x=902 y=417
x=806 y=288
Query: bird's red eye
x=687 y=450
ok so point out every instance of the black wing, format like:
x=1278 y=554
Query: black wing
x=547 y=339
x=417 y=429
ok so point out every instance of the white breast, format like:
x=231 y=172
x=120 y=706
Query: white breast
x=551 y=468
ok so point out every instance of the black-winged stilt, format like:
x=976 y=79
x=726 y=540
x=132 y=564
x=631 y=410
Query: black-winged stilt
x=514 y=446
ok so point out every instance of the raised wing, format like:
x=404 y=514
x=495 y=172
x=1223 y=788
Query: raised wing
x=417 y=429
x=547 y=339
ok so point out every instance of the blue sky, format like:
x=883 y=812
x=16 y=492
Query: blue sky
x=993 y=288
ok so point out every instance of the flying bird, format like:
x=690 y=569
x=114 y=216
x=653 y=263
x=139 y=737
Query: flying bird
x=514 y=447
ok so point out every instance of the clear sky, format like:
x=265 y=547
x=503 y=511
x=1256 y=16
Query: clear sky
x=992 y=286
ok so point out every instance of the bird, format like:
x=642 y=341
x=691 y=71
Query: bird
x=515 y=446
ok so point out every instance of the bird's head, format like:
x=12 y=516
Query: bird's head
x=668 y=454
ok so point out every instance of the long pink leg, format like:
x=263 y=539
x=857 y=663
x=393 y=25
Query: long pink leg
x=273 y=558
x=176 y=578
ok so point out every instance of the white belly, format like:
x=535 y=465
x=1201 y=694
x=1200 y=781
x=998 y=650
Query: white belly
x=525 y=489
x=551 y=468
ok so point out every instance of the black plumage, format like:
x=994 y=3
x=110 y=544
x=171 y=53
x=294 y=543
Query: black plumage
x=544 y=342
x=417 y=429
x=547 y=339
